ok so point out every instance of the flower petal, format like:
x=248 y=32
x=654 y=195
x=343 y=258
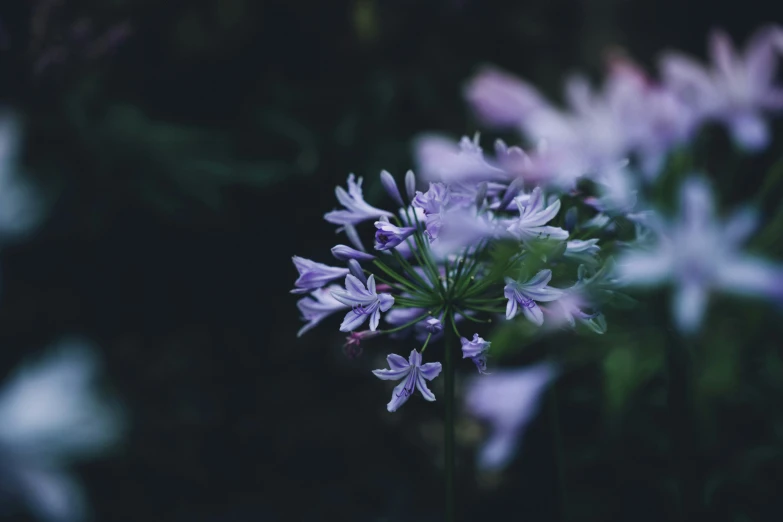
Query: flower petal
x=421 y=385
x=396 y=361
x=534 y=314
x=511 y=308
x=690 y=303
x=402 y=392
x=430 y=370
x=353 y=320
x=394 y=374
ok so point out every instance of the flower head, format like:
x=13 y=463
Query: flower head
x=413 y=375
x=533 y=217
x=389 y=236
x=476 y=350
x=314 y=275
x=526 y=294
x=317 y=306
x=356 y=209
x=364 y=302
x=737 y=88
x=508 y=400
x=700 y=254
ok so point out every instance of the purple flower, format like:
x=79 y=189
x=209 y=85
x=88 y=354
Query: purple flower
x=364 y=301
x=526 y=294
x=433 y=203
x=699 y=254
x=391 y=187
x=442 y=159
x=356 y=209
x=476 y=351
x=317 y=306
x=508 y=400
x=568 y=310
x=413 y=375
x=533 y=217
x=501 y=99
x=313 y=275
x=389 y=236
x=583 y=251
x=737 y=88
x=345 y=253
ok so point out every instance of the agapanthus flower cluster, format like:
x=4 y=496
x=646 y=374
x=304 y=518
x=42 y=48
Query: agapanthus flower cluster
x=618 y=141
x=473 y=244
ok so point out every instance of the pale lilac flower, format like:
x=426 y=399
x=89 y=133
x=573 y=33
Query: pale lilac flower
x=51 y=415
x=319 y=305
x=543 y=166
x=356 y=209
x=476 y=350
x=583 y=251
x=737 y=88
x=569 y=309
x=618 y=190
x=388 y=236
x=442 y=159
x=533 y=217
x=345 y=253
x=508 y=400
x=391 y=187
x=699 y=254
x=501 y=99
x=365 y=302
x=413 y=375
x=433 y=203
x=313 y=275
x=526 y=294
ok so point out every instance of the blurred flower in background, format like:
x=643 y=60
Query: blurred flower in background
x=52 y=415
x=21 y=207
x=508 y=400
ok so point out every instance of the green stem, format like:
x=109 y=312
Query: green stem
x=449 y=345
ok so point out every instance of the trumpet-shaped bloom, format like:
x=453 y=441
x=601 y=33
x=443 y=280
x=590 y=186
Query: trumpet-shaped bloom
x=314 y=275
x=389 y=236
x=700 y=254
x=533 y=217
x=508 y=400
x=442 y=159
x=346 y=253
x=737 y=88
x=526 y=294
x=476 y=350
x=318 y=306
x=364 y=301
x=357 y=209
x=413 y=375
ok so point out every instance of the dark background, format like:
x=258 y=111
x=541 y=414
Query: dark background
x=185 y=161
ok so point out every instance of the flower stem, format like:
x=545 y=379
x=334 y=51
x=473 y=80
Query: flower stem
x=449 y=345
